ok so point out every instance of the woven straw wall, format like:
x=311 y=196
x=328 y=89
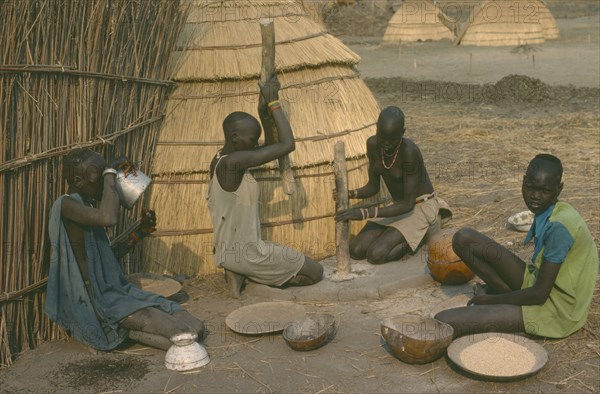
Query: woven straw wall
x=416 y=20
x=66 y=83
x=504 y=23
x=220 y=58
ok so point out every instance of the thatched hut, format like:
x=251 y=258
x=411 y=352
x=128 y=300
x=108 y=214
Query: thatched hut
x=546 y=19
x=502 y=23
x=417 y=20
x=63 y=86
x=317 y=9
x=220 y=60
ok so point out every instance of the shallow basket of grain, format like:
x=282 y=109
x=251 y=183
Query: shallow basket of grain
x=498 y=356
x=416 y=339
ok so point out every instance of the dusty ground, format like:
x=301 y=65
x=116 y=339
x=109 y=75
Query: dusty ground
x=477 y=131
x=442 y=61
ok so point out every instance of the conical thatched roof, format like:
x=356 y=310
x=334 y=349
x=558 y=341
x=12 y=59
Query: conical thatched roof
x=417 y=20
x=316 y=9
x=503 y=23
x=220 y=58
x=546 y=19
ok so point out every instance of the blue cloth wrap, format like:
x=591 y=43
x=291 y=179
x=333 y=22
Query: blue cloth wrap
x=94 y=322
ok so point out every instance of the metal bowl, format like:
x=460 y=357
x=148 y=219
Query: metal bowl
x=310 y=333
x=416 y=339
x=521 y=221
x=186 y=354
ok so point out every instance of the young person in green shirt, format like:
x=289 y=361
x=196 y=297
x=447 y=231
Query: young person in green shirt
x=551 y=295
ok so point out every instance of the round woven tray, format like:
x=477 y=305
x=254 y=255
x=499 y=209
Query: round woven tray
x=154 y=283
x=455 y=349
x=454 y=302
x=264 y=317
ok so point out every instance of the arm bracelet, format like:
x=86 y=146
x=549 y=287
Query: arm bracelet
x=109 y=171
x=136 y=236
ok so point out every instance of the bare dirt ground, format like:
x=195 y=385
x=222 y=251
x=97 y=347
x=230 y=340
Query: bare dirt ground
x=443 y=61
x=477 y=132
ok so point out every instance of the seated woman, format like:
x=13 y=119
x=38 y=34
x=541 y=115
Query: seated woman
x=548 y=297
x=87 y=293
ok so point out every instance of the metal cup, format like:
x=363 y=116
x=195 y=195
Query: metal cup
x=131 y=186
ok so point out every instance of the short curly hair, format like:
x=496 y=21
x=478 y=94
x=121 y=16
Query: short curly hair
x=73 y=160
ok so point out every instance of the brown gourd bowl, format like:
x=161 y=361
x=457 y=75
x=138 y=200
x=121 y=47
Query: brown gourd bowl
x=445 y=266
x=416 y=339
x=310 y=333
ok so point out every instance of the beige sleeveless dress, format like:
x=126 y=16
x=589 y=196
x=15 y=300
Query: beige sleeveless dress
x=238 y=244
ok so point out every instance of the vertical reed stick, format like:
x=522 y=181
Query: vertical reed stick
x=470 y=63
x=342 y=229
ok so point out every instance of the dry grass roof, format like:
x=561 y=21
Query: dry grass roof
x=547 y=20
x=222 y=40
x=417 y=20
x=327 y=99
x=503 y=23
x=219 y=66
x=326 y=104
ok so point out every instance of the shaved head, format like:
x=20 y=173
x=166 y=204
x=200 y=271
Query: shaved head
x=391 y=122
x=239 y=121
x=546 y=163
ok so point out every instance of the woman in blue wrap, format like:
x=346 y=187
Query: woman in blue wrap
x=87 y=293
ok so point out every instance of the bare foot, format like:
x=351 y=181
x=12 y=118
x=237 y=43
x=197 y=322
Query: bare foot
x=481 y=288
x=299 y=280
x=236 y=283
x=93 y=351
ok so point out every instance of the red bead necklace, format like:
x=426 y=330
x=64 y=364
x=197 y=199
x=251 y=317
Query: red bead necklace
x=394 y=158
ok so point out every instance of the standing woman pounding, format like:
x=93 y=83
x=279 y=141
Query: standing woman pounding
x=233 y=201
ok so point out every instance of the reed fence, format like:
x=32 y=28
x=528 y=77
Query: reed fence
x=73 y=73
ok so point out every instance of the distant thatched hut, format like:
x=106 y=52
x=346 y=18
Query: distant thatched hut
x=546 y=19
x=220 y=58
x=317 y=9
x=502 y=23
x=417 y=20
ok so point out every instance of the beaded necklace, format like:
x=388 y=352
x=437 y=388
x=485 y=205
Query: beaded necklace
x=383 y=155
x=219 y=154
x=217 y=158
